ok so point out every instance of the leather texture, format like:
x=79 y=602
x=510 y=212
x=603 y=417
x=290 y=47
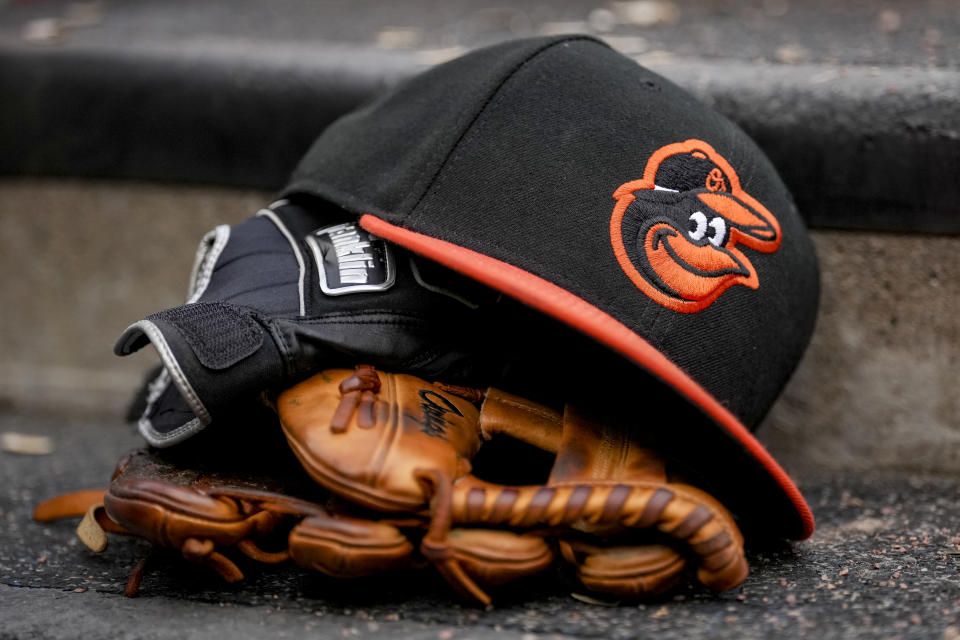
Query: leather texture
x=385 y=482
x=210 y=517
x=412 y=425
x=397 y=443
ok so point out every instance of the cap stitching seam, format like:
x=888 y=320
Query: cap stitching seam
x=463 y=134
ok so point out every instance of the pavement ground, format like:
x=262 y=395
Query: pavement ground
x=884 y=563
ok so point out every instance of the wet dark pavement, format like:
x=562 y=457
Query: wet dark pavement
x=884 y=563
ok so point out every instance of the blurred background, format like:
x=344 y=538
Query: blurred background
x=128 y=128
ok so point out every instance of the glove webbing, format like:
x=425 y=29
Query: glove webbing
x=635 y=506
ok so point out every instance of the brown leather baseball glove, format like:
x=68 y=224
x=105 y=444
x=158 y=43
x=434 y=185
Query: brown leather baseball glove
x=394 y=443
x=209 y=516
x=389 y=484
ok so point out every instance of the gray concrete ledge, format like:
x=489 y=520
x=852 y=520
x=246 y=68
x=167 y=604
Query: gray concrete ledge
x=860 y=147
x=854 y=105
x=82 y=261
x=877 y=388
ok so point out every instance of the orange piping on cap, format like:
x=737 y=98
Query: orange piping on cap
x=580 y=314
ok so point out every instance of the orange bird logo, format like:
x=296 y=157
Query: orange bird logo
x=678 y=232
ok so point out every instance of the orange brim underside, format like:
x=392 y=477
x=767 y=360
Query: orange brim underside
x=580 y=314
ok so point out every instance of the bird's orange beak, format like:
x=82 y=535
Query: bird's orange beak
x=695 y=272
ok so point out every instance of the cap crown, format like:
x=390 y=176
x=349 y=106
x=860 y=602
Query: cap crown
x=546 y=154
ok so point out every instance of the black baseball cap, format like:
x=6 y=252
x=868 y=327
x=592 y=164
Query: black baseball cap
x=563 y=174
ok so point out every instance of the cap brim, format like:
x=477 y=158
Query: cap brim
x=576 y=312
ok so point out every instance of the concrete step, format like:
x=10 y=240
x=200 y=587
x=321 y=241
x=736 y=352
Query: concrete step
x=855 y=103
x=877 y=388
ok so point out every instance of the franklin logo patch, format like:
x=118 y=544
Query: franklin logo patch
x=678 y=232
x=349 y=259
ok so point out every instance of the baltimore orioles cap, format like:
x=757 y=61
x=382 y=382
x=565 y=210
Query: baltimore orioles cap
x=595 y=191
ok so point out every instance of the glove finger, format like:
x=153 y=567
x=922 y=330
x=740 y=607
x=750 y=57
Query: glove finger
x=348 y=547
x=634 y=572
x=493 y=558
x=170 y=505
x=169 y=514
